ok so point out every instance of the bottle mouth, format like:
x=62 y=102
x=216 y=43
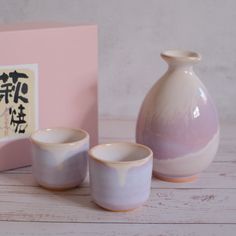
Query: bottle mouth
x=181 y=55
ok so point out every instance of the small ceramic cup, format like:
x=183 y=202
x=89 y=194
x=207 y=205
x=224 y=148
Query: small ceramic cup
x=120 y=175
x=59 y=157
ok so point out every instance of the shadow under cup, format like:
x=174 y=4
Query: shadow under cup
x=59 y=157
x=120 y=175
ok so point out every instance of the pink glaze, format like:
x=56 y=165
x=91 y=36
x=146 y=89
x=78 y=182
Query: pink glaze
x=179 y=137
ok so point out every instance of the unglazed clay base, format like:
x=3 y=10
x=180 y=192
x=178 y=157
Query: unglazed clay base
x=107 y=209
x=56 y=188
x=176 y=180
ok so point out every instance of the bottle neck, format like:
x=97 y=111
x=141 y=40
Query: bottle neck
x=186 y=67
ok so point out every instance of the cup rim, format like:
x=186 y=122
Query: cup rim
x=48 y=144
x=149 y=156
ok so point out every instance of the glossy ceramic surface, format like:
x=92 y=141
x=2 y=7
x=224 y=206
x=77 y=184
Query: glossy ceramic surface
x=60 y=157
x=120 y=175
x=178 y=120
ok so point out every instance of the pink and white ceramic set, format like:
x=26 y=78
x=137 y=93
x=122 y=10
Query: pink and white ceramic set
x=177 y=125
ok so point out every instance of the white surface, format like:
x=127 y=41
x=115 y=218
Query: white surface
x=132 y=33
x=75 y=229
x=205 y=207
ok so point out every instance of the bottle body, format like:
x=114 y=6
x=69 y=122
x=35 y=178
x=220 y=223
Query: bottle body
x=179 y=122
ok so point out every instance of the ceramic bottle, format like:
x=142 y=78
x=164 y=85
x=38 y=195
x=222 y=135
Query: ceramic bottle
x=178 y=120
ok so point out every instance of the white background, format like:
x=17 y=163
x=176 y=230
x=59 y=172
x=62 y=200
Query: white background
x=132 y=33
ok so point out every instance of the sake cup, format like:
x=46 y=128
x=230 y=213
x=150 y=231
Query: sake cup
x=59 y=157
x=120 y=175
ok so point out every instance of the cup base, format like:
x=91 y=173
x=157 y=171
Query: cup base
x=112 y=210
x=176 y=180
x=57 y=188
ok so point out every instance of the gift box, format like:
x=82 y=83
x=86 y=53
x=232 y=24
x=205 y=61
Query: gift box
x=48 y=78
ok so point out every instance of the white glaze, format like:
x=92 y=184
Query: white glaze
x=120 y=153
x=169 y=103
x=58 y=136
x=122 y=169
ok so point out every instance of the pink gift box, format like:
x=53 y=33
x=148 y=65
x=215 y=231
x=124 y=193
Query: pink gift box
x=48 y=78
